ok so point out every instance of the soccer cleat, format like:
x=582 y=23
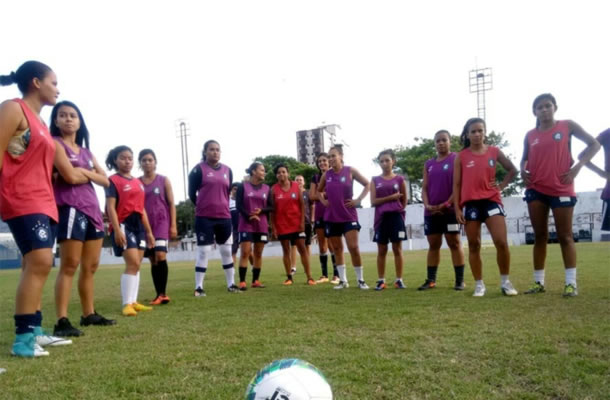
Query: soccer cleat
x=287 y=282
x=43 y=339
x=479 y=291
x=96 y=319
x=362 y=285
x=536 y=288
x=322 y=279
x=25 y=346
x=380 y=285
x=336 y=280
x=140 y=307
x=199 y=292
x=243 y=286
x=2 y=370
x=428 y=284
x=233 y=289
x=165 y=298
x=129 y=311
x=459 y=286
x=509 y=290
x=257 y=284
x=65 y=328
x=570 y=290
x=342 y=285
x=399 y=284
x=156 y=301
x=311 y=282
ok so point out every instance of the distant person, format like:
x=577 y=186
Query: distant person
x=234 y=220
x=161 y=212
x=439 y=213
x=288 y=221
x=81 y=226
x=320 y=204
x=28 y=154
x=300 y=179
x=129 y=227
x=341 y=217
x=548 y=171
x=209 y=187
x=253 y=206
x=475 y=189
x=604 y=140
x=389 y=197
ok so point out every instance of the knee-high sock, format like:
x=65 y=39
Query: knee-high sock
x=155 y=273
x=324 y=264
x=136 y=289
x=201 y=264
x=128 y=283
x=163 y=273
x=227 y=263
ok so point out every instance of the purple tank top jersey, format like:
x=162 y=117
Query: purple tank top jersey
x=319 y=209
x=213 y=195
x=604 y=138
x=384 y=188
x=156 y=207
x=82 y=197
x=440 y=180
x=254 y=198
x=339 y=189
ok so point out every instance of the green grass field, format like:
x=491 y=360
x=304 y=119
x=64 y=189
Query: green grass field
x=395 y=344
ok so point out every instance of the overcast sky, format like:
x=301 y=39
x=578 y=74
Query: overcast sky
x=251 y=73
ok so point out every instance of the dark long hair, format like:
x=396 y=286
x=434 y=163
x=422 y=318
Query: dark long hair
x=464 y=136
x=322 y=154
x=145 y=152
x=25 y=74
x=82 y=135
x=113 y=154
x=538 y=99
x=253 y=167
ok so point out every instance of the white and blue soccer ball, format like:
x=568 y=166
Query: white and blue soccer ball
x=289 y=379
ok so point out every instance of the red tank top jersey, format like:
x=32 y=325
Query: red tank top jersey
x=287 y=212
x=25 y=181
x=478 y=171
x=549 y=157
x=130 y=194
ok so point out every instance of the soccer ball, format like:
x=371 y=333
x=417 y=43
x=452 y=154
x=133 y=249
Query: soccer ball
x=289 y=379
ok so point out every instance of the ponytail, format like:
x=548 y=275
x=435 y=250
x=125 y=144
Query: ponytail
x=25 y=74
x=113 y=155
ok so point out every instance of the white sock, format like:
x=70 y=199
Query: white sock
x=479 y=283
x=503 y=280
x=571 y=276
x=199 y=279
x=539 y=276
x=136 y=289
x=201 y=264
x=127 y=284
x=359 y=273
x=230 y=276
x=342 y=275
x=227 y=263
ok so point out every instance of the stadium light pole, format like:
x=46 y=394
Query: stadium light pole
x=183 y=128
x=479 y=82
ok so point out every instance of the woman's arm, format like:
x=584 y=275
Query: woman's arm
x=511 y=171
x=457 y=187
x=585 y=156
x=523 y=166
x=376 y=201
x=97 y=175
x=119 y=236
x=169 y=197
x=195 y=177
x=150 y=239
x=10 y=118
x=365 y=190
x=73 y=176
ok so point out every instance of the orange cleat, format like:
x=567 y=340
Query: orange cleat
x=257 y=284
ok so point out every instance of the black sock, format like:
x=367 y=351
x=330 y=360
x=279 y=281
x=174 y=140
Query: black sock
x=459 y=274
x=155 y=272
x=256 y=273
x=289 y=277
x=163 y=271
x=25 y=323
x=432 y=273
x=242 y=273
x=324 y=264
x=335 y=270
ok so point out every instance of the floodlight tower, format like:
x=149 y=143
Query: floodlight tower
x=182 y=129
x=480 y=81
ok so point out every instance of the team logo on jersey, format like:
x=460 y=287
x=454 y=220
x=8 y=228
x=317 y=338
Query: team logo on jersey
x=250 y=194
x=396 y=186
x=142 y=186
x=90 y=163
x=210 y=174
x=225 y=176
x=491 y=162
x=156 y=190
x=446 y=167
x=342 y=179
x=377 y=186
x=470 y=164
x=73 y=158
x=264 y=195
x=557 y=136
x=329 y=179
x=293 y=195
x=535 y=142
x=127 y=188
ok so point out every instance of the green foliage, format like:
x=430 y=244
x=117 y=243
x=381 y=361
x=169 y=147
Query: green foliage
x=411 y=160
x=294 y=168
x=185 y=217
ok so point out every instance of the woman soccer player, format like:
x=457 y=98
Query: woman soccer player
x=439 y=214
x=252 y=202
x=161 y=212
x=27 y=204
x=548 y=171
x=341 y=217
x=320 y=204
x=209 y=188
x=234 y=221
x=389 y=197
x=129 y=227
x=475 y=189
x=300 y=179
x=604 y=140
x=288 y=220
x=81 y=226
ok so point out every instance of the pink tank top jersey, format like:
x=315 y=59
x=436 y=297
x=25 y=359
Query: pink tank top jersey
x=440 y=181
x=25 y=180
x=478 y=171
x=254 y=198
x=339 y=189
x=156 y=207
x=385 y=188
x=548 y=157
x=213 y=195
